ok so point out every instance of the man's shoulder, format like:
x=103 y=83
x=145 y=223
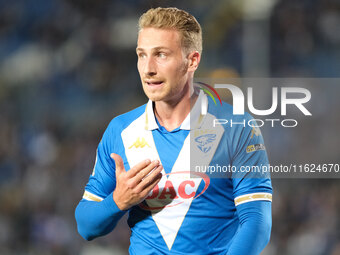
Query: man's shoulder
x=120 y=122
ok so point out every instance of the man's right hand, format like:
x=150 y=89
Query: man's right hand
x=133 y=186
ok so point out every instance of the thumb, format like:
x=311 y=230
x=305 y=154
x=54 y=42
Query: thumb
x=119 y=163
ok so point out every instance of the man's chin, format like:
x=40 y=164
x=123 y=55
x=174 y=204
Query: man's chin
x=154 y=96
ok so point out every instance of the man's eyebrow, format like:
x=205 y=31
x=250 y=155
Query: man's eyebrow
x=161 y=48
x=154 y=49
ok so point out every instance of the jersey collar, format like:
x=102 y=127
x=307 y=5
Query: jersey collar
x=195 y=117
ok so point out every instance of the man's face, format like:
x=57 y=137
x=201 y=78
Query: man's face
x=162 y=65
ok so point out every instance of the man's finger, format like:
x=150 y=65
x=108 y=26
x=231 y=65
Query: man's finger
x=119 y=163
x=150 y=179
x=144 y=172
x=141 y=165
x=152 y=184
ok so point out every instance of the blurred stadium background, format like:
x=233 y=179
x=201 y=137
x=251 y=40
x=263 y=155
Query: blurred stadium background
x=67 y=67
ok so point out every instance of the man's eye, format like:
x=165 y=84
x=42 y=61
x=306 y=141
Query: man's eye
x=141 y=55
x=161 y=55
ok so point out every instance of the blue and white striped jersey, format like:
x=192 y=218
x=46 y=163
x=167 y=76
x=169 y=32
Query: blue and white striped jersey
x=192 y=210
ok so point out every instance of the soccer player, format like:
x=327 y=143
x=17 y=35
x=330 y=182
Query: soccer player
x=145 y=158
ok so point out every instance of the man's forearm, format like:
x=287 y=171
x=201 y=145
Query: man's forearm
x=255 y=227
x=97 y=218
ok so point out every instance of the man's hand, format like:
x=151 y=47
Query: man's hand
x=133 y=186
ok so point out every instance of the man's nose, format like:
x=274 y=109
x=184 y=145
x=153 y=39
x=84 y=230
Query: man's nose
x=150 y=67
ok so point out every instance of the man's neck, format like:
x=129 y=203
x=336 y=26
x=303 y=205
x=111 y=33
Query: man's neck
x=171 y=114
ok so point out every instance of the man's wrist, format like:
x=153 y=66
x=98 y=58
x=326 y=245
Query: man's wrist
x=120 y=206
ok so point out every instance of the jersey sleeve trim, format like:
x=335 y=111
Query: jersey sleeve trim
x=252 y=197
x=91 y=197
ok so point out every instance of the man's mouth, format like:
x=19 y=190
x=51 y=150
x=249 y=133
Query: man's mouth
x=154 y=83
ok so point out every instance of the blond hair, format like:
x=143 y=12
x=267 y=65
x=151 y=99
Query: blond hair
x=185 y=23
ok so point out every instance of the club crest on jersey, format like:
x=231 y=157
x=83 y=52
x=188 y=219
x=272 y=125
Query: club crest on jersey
x=205 y=142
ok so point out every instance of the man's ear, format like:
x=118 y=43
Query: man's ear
x=194 y=59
